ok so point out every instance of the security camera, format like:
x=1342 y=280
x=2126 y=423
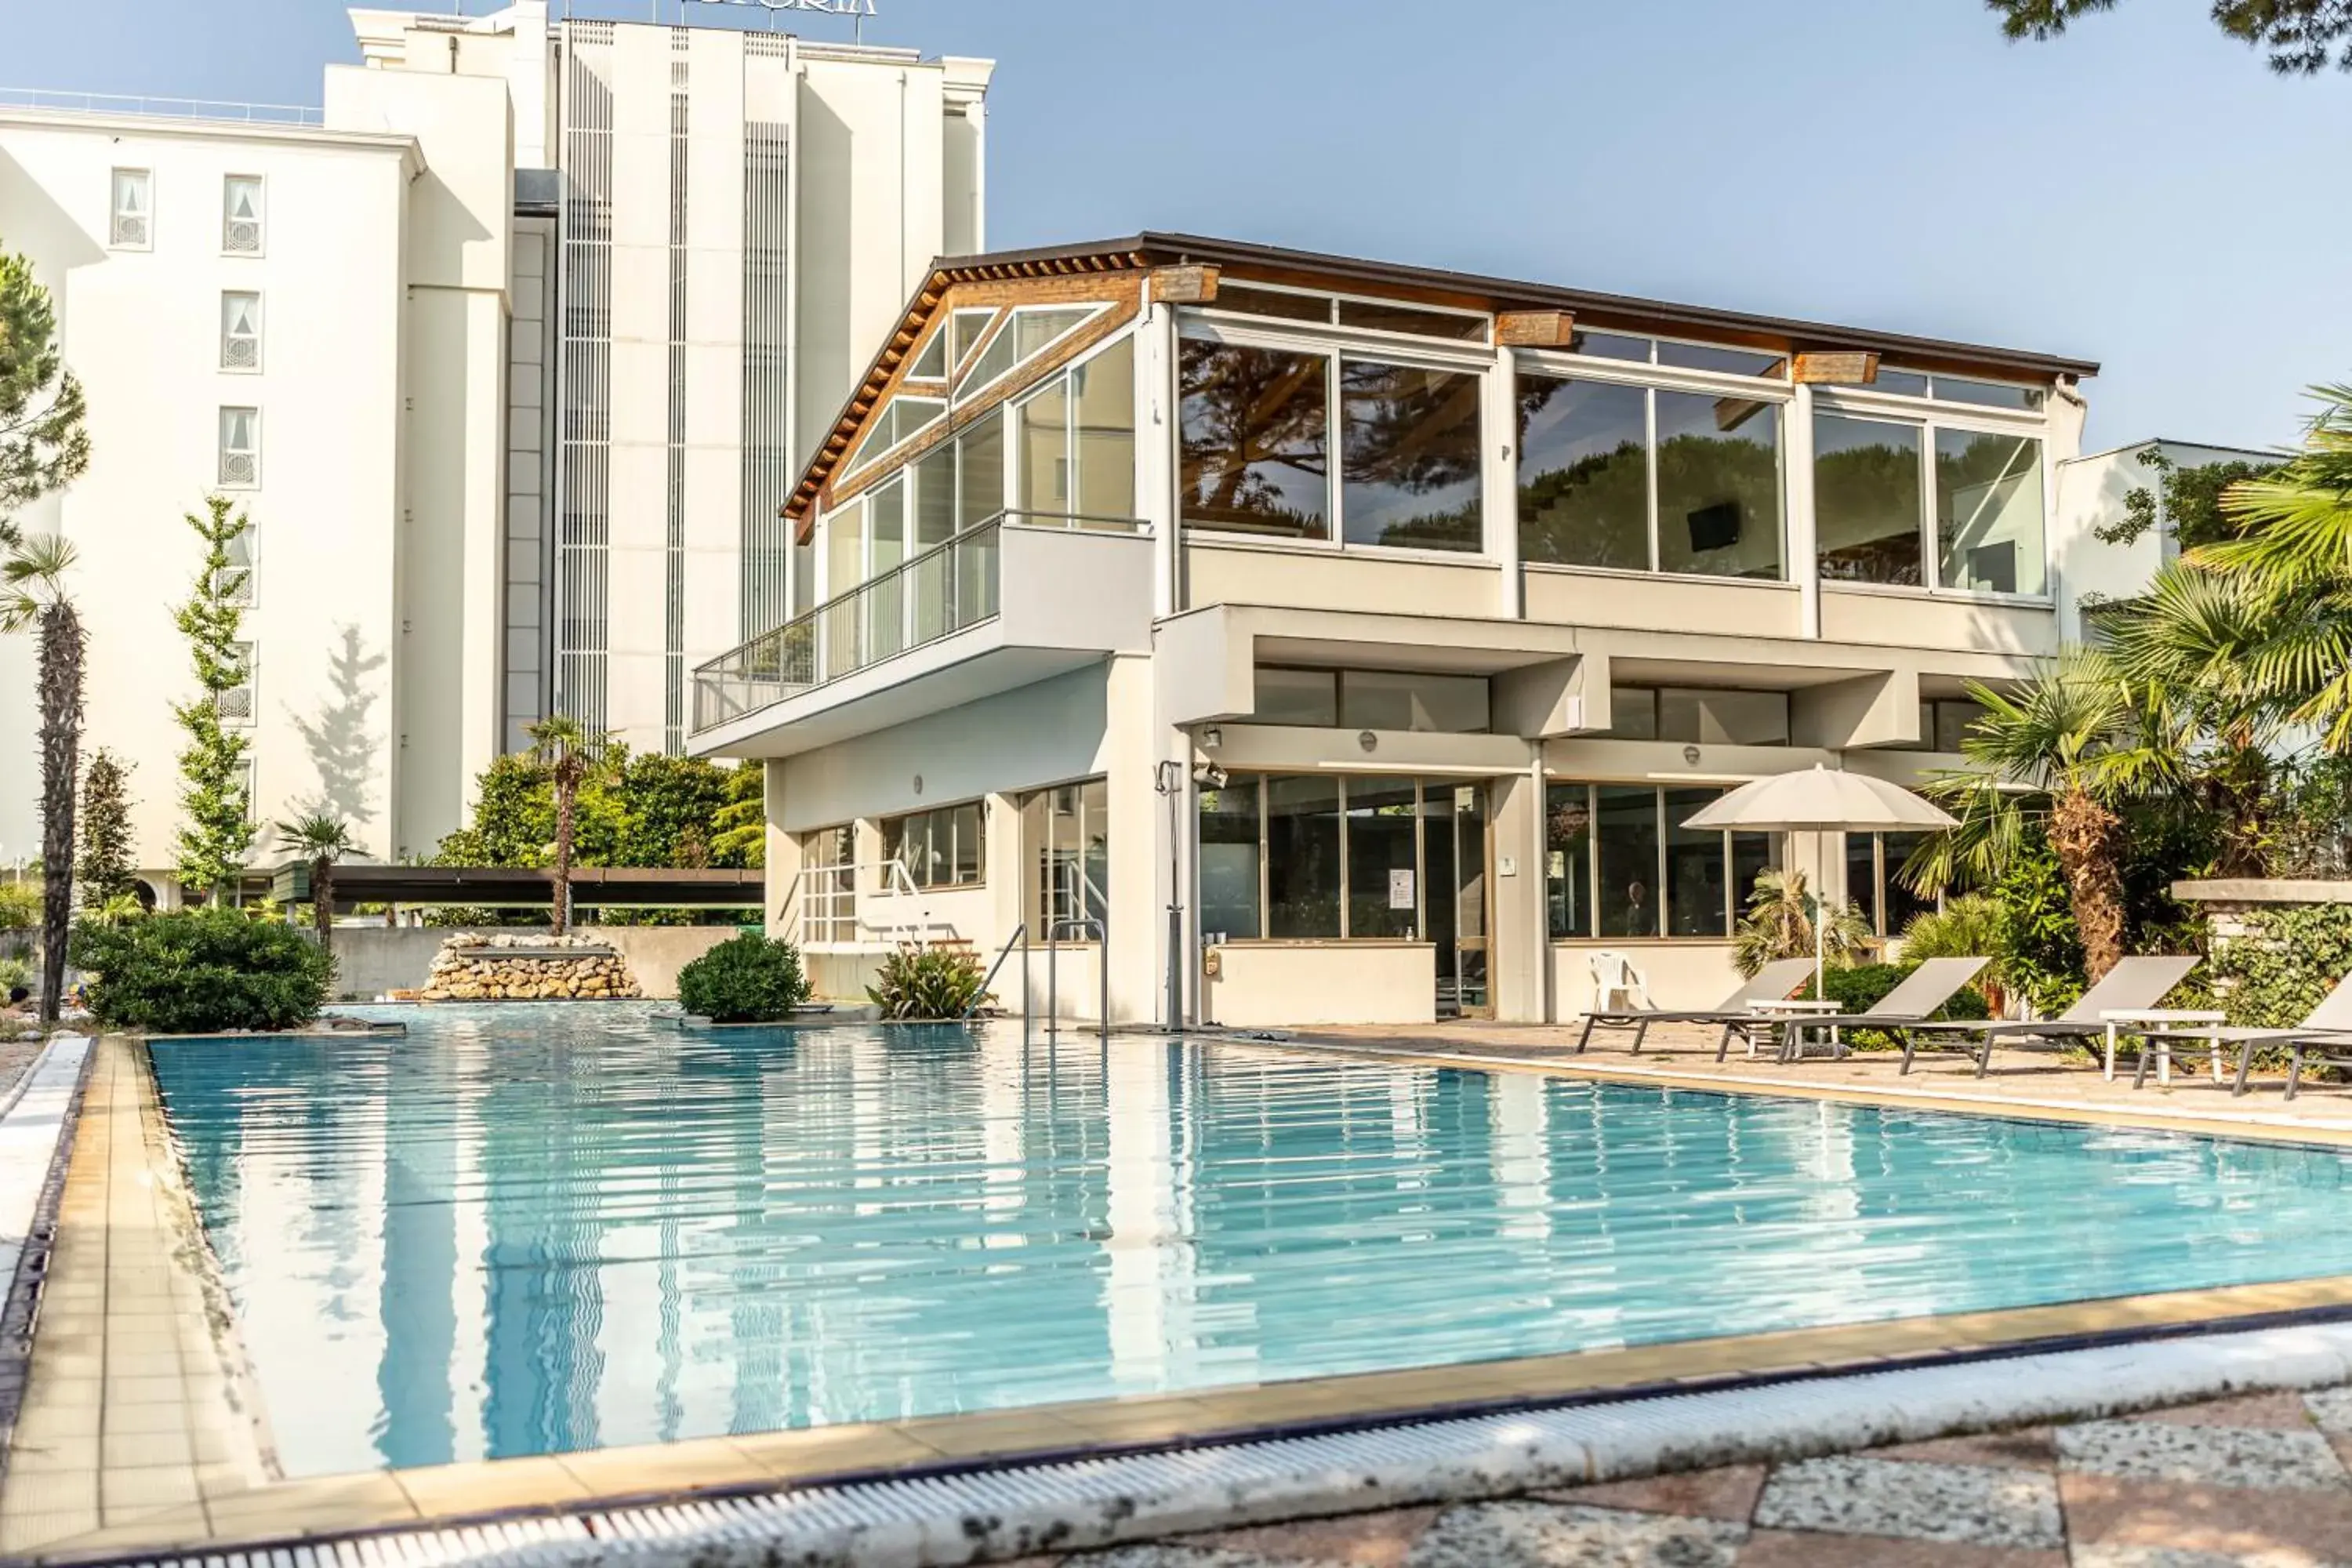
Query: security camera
x=1208 y=775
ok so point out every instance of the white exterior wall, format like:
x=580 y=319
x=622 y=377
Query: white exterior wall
x=142 y=331
x=2091 y=491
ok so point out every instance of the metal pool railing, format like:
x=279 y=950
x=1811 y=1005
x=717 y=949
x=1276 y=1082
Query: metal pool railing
x=953 y=585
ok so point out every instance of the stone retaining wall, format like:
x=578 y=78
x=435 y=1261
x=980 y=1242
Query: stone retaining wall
x=511 y=968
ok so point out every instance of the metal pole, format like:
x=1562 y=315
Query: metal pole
x=1053 y=983
x=1028 y=1004
x=1102 y=962
x=1171 y=783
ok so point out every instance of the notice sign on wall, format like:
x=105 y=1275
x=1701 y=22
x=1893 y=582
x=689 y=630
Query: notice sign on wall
x=1401 y=890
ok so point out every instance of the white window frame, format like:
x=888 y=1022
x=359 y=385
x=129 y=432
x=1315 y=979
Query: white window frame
x=252 y=568
x=225 y=452
x=115 y=215
x=251 y=658
x=261 y=246
x=1335 y=297
x=1558 y=364
x=1929 y=417
x=227 y=337
x=1016 y=454
x=1010 y=322
x=1333 y=343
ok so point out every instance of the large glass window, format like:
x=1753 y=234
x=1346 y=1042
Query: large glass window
x=844 y=556
x=943 y=847
x=1383 y=859
x=1588 y=494
x=1334 y=858
x=1302 y=856
x=1410 y=453
x=1584 y=495
x=1068 y=829
x=1043 y=422
x=1866 y=500
x=1373 y=700
x=1625 y=828
x=1874 y=880
x=1988 y=512
x=980 y=472
x=1102 y=431
x=1718 y=486
x=1232 y=838
x=1256 y=440
x=1619 y=864
x=1700 y=715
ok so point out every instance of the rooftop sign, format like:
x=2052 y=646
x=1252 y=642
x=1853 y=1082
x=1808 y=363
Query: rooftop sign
x=860 y=9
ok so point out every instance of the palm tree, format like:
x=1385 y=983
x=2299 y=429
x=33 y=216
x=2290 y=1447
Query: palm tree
x=2296 y=543
x=2068 y=751
x=33 y=597
x=1780 y=924
x=322 y=838
x=569 y=751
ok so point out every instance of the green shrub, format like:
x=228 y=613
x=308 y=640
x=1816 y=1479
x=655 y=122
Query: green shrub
x=1865 y=986
x=929 y=983
x=202 y=972
x=2290 y=958
x=746 y=980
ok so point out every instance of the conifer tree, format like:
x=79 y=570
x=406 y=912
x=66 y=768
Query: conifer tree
x=103 y=869
x=216 y=834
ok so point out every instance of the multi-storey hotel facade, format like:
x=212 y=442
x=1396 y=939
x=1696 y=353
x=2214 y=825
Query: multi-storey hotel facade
x=1310 y=639
x=508 y=353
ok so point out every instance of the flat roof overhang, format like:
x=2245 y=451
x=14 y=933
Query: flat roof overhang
x=529 y=886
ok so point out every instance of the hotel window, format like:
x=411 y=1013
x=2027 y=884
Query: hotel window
x=1077 y=440
x=1068 y=831
x=1648 y=478
x=1874 y=884
x=133 y=224
x=1360 y=314
x=1876 y=498
x=1256 y=435
x=241 y=215
x=1373 y=700
x=1319 y=857
x=240 y=448
x=1945 y=723
x=238 y=704
x=828 y=889
x=240 y=345
x=1892 y=382
x=944 y=847
x=1619 y=863
x=1699 y=715
x=235 y=584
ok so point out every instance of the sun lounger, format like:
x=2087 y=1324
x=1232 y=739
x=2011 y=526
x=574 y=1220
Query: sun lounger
x=2323 y=1037
x=1773 y=982
x=1924 y=990
x=2134 y=985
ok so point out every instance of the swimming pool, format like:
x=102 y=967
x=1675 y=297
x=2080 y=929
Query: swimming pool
x=526 y=1229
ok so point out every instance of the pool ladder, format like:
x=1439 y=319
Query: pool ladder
x=1054 y=932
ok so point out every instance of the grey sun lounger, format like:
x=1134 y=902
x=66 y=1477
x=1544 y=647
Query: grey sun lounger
x=2323 y=1037
x=1776 y=982
x=2134 y=985
x=1934 y=983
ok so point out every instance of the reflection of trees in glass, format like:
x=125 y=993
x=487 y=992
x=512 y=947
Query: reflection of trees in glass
x=1719 y=502
x=1589 y=513
x=1407 y=433
x=1255 y=447
x=1873 y=491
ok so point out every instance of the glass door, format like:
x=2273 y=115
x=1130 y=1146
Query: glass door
x=1455 y=843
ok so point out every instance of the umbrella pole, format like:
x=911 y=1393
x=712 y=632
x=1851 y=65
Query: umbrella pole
x=1820 y=914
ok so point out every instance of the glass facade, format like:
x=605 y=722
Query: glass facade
x=1068 y=833
x=1409 y=452
x=943 y=847
x=1373 y=700
x=1988 y=512
x=1619 y=863
x=1354 y=858
x=1256 y=440
x=1866 y=501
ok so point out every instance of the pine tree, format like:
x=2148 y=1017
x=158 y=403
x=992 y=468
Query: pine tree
x=103 y=868
x=43 y=447
x=217 y=834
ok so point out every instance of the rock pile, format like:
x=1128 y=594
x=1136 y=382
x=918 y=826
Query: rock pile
x=527 y=968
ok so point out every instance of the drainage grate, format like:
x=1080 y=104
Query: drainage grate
x=984 y=1514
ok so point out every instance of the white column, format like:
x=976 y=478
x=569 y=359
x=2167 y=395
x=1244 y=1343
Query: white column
x=1498 y=399
x=1804 y=557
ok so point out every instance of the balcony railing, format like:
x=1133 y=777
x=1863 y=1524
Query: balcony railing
x=167 y=107
x=946 y=589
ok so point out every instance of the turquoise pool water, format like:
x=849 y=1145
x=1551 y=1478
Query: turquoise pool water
x=522 y=1230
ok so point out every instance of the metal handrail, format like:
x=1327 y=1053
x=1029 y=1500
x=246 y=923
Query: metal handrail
x=1020 y=935
x=1102 y=967
x=949 y=587
x=164 y=108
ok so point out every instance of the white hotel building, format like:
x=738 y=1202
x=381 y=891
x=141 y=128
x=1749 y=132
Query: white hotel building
x=510 y=353
x=1384 y=623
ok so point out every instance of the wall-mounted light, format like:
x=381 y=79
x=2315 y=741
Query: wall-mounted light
x=1369 y=740
x=918 y=783
x=1211 y=738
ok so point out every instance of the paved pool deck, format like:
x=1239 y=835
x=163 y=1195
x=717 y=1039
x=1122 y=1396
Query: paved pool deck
x=141 y=1433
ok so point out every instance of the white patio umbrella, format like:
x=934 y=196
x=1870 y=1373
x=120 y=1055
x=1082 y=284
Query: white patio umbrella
x=1818 y=799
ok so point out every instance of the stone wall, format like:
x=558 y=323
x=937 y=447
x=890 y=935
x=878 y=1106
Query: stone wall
x=373 y=961
x=507 y=967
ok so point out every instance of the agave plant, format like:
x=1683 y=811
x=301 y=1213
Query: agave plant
x=1780 y=924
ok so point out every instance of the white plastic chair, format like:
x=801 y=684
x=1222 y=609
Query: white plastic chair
x=1617 y=985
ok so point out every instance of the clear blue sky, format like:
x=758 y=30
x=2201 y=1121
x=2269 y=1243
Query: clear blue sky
x=2143 y=192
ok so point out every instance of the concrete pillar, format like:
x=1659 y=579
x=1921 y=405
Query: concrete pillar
x=1132 y=750
x=784 y=859
x=1498 y=401
x=1805 y=562
x=1517 y=945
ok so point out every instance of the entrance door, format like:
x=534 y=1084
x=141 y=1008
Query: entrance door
x=1455 y=847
